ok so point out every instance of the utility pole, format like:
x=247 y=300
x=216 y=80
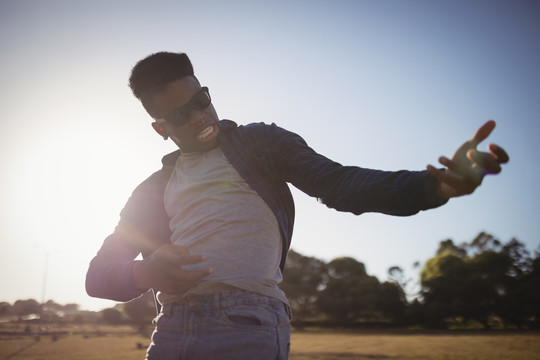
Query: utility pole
x=45 y=274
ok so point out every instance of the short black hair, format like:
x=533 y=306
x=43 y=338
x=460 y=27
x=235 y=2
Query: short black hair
x=155 y=71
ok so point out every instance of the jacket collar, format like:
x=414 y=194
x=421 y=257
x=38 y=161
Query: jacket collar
x=225 y=126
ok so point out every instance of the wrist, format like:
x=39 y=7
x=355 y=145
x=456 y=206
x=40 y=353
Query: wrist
x=442 y=191
x=138 y=275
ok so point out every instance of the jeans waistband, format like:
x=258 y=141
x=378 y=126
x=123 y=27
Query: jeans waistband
x=222 y=299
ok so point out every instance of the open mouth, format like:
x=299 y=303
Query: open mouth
x=207 y=134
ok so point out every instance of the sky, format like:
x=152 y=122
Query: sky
x=380 y=84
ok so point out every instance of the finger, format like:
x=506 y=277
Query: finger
x=451 y=164
x=460 y=171
x=435 y=172
x=187 y=279
x=190 y=275
x=177 y=256
x=198 y=274
x=483 y=132
x=188 y=259
x=499 y=153
x=484 y=163
x=176 y=249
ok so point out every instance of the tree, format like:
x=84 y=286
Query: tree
x=350 y=294
x=141 y=309
x=522 y=262
x=26 y=307
x=483 y=242
x=5 y=309
x=521 y=304
x=52 y=309
x=442 y=284
x=392 y=303
x=448 y=246
x=396 y=275
x=71 y=308
x=302 y=279
x=111 y=316
x=484 y=286
x=488 y=279
x=532 y=284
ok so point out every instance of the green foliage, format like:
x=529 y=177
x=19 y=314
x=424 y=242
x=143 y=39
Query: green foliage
x=6 y=309
x=392 y=303
x=304 y=276
x=26 y=307
x=141 y=309
x=345 y=267
x=341 y=290
x=111 y=316
x=484 y=282
x=480 y=281
x=448 y=247
x=351 y=295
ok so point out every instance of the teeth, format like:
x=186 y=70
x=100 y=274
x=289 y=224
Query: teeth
x=206 y=132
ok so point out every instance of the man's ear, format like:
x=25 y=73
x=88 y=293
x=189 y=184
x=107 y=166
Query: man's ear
x=160 y=129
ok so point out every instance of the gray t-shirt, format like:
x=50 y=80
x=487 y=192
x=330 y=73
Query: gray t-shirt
x=214 y=212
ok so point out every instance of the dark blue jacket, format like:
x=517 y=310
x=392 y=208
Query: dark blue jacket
x=267 y=157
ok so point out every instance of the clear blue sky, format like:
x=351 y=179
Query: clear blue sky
x=381 y=84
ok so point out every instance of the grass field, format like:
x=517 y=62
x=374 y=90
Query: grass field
x=312 y=345
x=409 y=346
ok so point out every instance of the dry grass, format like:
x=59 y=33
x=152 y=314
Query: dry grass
x=82 y=342
x=349 y=345
x=313 y=345
x=73 y=347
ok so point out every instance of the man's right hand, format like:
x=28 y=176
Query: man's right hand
x=163 y=270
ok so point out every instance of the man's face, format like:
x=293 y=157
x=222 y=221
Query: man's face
x=200 y=130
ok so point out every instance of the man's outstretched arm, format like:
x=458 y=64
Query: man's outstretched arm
x=464 y=172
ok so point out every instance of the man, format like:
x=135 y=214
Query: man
x=215 y=223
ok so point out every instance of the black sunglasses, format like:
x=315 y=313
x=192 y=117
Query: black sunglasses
x=180 y=116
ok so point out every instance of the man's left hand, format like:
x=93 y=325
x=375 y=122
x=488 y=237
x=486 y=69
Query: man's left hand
x=464 y=172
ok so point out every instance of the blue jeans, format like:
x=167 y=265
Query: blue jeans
x=226 y=325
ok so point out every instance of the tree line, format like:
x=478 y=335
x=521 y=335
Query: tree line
x=22 y=309
x=484 y=283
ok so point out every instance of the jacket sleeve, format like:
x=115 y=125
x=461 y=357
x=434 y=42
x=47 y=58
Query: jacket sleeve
x=351 y=188
x=142 y=228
